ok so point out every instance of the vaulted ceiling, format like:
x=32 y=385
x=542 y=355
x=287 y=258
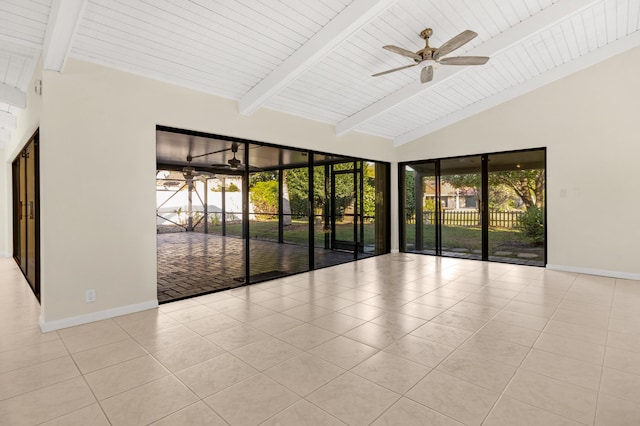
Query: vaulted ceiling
x=315 y=58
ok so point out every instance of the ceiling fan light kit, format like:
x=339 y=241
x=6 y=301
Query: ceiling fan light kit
x=435 y=56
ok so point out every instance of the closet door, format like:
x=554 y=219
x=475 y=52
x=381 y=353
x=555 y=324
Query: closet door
x=26 y=240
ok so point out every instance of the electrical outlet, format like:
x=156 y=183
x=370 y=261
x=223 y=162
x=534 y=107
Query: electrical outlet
x=90 y=296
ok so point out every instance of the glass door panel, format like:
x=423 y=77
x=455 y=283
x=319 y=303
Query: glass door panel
x=460 y=207
x=421 y=194
x=345 y=210
x=516 y=207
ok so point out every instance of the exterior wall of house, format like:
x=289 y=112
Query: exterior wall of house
x=589 y=123
x=98 y=131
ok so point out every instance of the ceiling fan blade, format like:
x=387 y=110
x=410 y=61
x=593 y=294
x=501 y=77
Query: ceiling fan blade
x=393 y=70
x=426 y=75
x=465 y=60
x=451 y=45
x=403 y=52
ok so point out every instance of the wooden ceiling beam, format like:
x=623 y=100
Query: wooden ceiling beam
x=350 y=20
x=64 y=19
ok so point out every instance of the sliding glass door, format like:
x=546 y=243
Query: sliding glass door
x=485 y=207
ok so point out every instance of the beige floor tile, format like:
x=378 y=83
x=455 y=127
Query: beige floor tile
x=596 y=336
x=363 y=311
x=622 y=360
x=176 y=306
x=46 y=403
x=419 y=310
x=392 y=372
x=100 y=336
x=266 y=353
x=496 y=349
x=484 y=372
x=25 y=338
x=215 y=374
x=448 y=336
x=475 y=310
x=124 y=376
x=587 y=319
x=212 y=324
x=343 y=352
x=353 y=400
x=337 y=322
x=616 y=412
x=198 y=414
x=276 y=323
x=37 y=376
x=436 y=301
x=564 y=368
x=510 y=412
x=281 y=303
x=90 y=415
x=624 y=326
x=521 y=320
x=419 y=350
x=165 y=338
x=624 y=341
x=533 y=309
x=237 y=337
x=334 y=303
x=104 y=356
x=620 y=383
x=252 y=401
x=151 y=323
x=192 y=313
x=572 y=348
x=461 y=400
x=561 y=398
x=356 y=295
x=303 y=413
x=227 y=304
x=406 y=412
x=192 y=352
x=374 y=335
x=482 y=298
x=306 y=336
x=149 y=402
x=307 y=312
x=304 y=373
x=458 y=320
x=36 y=354
x=399 y=322
x=511 y=333
x=249 y=312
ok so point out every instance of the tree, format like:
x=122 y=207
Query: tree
x=409 y=193
x=528 y=185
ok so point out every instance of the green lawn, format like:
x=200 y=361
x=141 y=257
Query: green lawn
x=453 y=237
x=296 y=233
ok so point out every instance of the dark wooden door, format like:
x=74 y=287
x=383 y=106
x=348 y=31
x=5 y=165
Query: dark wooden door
x=26 y=241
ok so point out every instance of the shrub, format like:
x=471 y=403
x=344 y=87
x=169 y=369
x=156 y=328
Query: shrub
x=531 y=224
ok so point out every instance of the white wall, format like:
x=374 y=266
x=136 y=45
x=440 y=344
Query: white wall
x=589 y=122
x=98 y=138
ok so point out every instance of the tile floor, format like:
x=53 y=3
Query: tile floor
x=393 y=340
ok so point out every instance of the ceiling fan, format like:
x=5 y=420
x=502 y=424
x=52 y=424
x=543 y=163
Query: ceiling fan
x=190 y=172
x=434 y=56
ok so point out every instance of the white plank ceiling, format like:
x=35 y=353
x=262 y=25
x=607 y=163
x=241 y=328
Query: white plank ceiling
x=314 y=58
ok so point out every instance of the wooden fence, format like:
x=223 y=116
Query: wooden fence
x=472 y=218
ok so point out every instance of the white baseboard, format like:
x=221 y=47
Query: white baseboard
x=5 y=254
x=46 y=326
x=395 y=250
x=600 y=272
